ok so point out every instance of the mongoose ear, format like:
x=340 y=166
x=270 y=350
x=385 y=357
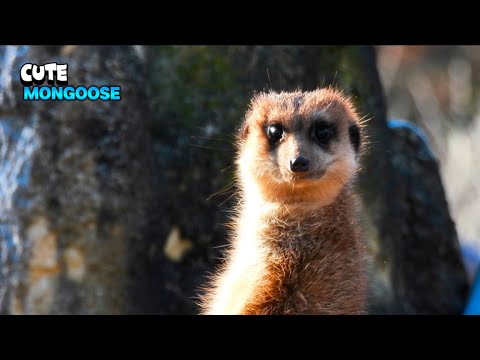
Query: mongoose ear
x=354 y=132
x=243 y=131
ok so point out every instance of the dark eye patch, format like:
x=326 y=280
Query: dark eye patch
x=354 y=133
x=323 y=132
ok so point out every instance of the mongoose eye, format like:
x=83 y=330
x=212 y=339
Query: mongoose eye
x=323 y=133
x=275 y=132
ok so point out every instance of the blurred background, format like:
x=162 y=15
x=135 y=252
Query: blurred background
x=121 y=207
x=438 y=88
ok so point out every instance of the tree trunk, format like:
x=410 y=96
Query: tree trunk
x=119 y=207
x=73 y=186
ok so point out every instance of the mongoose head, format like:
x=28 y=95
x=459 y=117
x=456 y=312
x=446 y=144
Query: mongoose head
x=299 y=146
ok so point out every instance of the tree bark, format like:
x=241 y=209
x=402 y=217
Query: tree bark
x=74 y=186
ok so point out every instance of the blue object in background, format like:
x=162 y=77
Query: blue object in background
x=405 y=124
x=471 y=257
x=473 y=305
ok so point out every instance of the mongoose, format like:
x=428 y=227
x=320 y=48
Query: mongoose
x=295 y=245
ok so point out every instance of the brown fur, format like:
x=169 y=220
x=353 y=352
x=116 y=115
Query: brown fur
x=296 y=247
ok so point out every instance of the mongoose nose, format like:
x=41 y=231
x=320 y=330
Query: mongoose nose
x=299 y=164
